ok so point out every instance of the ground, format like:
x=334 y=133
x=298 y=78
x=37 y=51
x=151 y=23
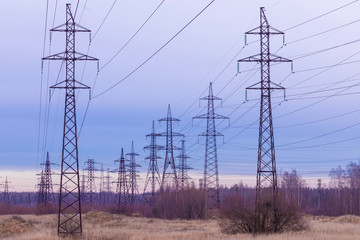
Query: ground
x=103 y=226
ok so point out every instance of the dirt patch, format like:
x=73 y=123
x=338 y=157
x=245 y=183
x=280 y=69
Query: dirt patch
x=15 y=225
x=347 y=219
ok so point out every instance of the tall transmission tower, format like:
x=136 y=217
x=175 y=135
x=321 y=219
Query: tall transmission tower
x=211 y=171
x=153 y=175
x=133 y=185
x=69 y=215
x=266 y=180
x=183 y=167
x=45 y=196
x=169 y=177
x=122 y=190
x=90 y=185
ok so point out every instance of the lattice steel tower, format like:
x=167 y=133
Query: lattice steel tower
x=122 y=189
x=69 y=216
x=183 y=167
x=90 y=185
x=211 y=171
x=153 y=175
x=169 y=177
x=133 y=186
x=45 y=196
x=6 y=195
x=266 y=179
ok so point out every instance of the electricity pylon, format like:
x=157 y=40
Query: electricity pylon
x=69 y=215
x=153 y=175
x=133 y=186
x=183 y=167
x=211 y=171
x=90 y=185
x=169 y=177
x=6 y=195
x=266 y=180
x=122 y=190
x=45 y=196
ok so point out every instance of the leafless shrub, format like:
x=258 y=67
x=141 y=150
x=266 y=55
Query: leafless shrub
x=237 y=216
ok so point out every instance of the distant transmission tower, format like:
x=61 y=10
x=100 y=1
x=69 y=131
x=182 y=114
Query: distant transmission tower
x=45 y=196
x=266 y=180
x=90 y=185
x=153 y=175
x=183 y=167
x=122 y=190
x=211 y=172
x=6 y=195
x=169 y=177
x=69 y=215
x=133 y=185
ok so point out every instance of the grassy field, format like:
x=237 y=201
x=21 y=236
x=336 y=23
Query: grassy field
x=102 y=226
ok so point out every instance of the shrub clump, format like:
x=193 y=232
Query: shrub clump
x=237 y=216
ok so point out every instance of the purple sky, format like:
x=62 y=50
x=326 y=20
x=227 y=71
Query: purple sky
x=315 y=129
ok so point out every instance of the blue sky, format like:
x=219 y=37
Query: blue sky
x=320 y=99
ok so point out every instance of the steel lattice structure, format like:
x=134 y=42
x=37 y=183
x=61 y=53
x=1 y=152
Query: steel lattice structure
x=183 y=167
x=122 y=190
x=45 y=196
x=211 y=171
x=169 y=178
x=266 y=179
x=6 y=195
x=69 y=215
x=133 y=186
x=153 y=175
x=90 y=184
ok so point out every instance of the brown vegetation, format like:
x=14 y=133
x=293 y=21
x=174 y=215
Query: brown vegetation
x=104 y=226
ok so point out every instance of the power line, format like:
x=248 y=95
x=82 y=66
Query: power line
x=326 y=31
x=320 y=136
x=103 y=21
x=155 y=53
x=322 y=15
x=132 y=37
x=320 y=120
x=324 y=144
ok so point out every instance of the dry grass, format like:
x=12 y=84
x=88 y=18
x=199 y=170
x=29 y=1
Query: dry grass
x=104 y=226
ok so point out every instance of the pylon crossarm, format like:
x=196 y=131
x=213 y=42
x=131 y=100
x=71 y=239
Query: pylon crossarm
x=56 y=56
x=276 y=58
x=254 y=58
x=61 y=29
x=257 y=31
x=273 y=86
x=63 y=56
x=210 y=98
x=77 y=85
x=201 y=116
